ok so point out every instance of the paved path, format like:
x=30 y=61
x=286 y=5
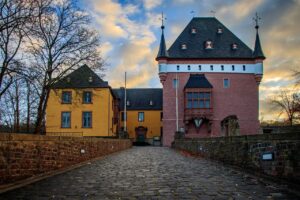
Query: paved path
x=150 y=173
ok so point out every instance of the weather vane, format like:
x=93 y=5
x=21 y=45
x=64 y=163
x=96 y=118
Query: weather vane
x=213 y=13
x=256 y=19
x=162 y=20
x=192 y=13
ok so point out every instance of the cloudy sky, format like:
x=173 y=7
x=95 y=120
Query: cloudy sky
x=130 y=33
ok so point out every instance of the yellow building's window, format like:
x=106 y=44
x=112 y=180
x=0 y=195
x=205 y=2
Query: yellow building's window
x=65 y=119
x=87 y=97
x=66 y=97
x=86 y=119
x=141 y=116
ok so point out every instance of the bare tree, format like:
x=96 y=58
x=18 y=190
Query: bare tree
x=61 y=41
x=14 y=15
x=288 y=104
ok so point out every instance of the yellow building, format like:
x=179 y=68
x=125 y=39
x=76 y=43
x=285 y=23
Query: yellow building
x=81 y=104
x=143 y=113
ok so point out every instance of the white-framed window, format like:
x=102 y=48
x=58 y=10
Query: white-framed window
x=141 y=116
x=65 y=119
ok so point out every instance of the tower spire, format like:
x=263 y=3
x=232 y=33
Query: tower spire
x=162 y=52
x=258 y=53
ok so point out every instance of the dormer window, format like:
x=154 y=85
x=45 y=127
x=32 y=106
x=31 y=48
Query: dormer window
x=68 y=80
x=90 y=79
x=151 y=103
x=220 y=31
x=127 y=103
x=193 y=30
x=183 y=46
x=234 y=46
x=208 y=44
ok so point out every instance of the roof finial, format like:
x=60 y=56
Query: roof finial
x=162 y=20
x=213 y=13
x=256 y=19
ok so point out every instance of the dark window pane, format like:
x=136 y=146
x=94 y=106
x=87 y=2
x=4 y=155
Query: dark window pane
x=87 y=119
x=195 y=95
x=66 y=97
x=87 y=97
x=207 y=95
x=195 y=104
x=189 y=95
x=201 y=95
x=207 y=104
x=201 y=104
x=189 y=104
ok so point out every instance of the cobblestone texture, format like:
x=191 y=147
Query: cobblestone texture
x=151 y=173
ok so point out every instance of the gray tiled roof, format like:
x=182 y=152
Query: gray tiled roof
x=258 y=53
x=162 y=52
x=80 y=79
x=207 y=29
x=139 y=98
x=198 y=81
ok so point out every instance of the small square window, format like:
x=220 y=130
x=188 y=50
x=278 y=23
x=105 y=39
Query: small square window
x=183 y=46
x=189 y=67
x=128 y=103
x=244 y=67
x=193 y=30
x=66 y=97
x=220 y=30
x=87 y=97
x=233 y=68
x=208 y=44
x=178 y=67
x=234 y=46
x=211 y=67
x=141 y=116
x=226 y=83
x=222 y=67
x=199 y=67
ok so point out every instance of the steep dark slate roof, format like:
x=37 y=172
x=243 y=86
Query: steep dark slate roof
x=198 y=81
x=258 y=53
x=206 y=29
x=162 y=52
x=80 y=79
x=139 y=99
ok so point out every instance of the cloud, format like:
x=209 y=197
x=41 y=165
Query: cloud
x=150 y=4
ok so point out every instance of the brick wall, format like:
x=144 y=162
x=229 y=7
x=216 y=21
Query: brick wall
x=247 y=151
x=22 y=156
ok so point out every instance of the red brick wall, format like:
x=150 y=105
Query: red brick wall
x=22 y=156
x=240 y=99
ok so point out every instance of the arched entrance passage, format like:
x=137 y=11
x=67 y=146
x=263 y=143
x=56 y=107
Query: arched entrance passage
x=230 y=126
x=141 y=134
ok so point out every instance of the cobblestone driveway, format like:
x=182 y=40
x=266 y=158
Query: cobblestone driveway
x=150 y=173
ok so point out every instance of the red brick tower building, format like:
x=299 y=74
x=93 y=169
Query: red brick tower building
x=210 y=82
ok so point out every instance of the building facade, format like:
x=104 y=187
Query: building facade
x=81 y=104
x=143 y=113
x=210 y=82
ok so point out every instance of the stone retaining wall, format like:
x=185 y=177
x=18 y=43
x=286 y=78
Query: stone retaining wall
x=23 y=156
x=248 y=152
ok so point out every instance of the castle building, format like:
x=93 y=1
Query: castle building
x=210 y=82
x=81 y=104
